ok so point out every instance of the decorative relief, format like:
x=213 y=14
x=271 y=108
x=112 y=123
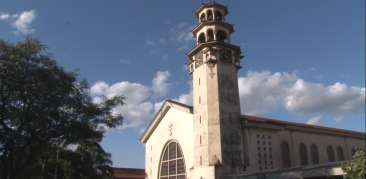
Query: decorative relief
x=211 y=65
x=210 y=61
x=170 y=128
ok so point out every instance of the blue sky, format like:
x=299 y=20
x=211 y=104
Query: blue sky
x=305 y=60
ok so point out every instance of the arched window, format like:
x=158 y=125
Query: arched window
x=203 y=17
x=330 y=154
x=218 y=16
x=303 y=156
x=210 y=35
x=201 y=38
x=209 y=15
x=353 y=151
x=172 y=163
x=285 y=155
x=221 y=36
x=314 y=154
x=340 y=153
x=237 y=63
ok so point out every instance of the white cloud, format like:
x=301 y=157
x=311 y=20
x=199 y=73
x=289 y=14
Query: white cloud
x=314 y=120
x=185 y=68
x=149 y=42
x=178 y=26
x=99 y=88
x=4 y=16
x=186 y=98
x=137 y=114
x=23 y=22
x=182 y=35
x=261 y=92
x=125 y=61
x=134 y=92
x=20 y=22
x=183 y=98
x=157 y=106
x=338 y=99
x=137 y=111
x=181 y=24
x=182 y=48
x=165 y=56
x=319 y=77
x=162 y=41
x=159 y=85
x=142 y=130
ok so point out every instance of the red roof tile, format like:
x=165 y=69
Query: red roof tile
x=128 y=173
x=263 y=120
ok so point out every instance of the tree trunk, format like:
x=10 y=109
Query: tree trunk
x=5 y=165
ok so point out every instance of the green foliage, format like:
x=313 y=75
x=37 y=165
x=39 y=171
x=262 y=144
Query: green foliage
x=357 y=169
x=44 y=108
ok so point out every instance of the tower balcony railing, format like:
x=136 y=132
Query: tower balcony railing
x=213 y=40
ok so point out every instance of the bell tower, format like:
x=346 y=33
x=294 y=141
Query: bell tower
x=214 y=63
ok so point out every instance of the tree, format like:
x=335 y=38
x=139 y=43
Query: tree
x=357 y=169
x=43 y=106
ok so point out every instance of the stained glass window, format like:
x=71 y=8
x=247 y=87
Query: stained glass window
x=172 y=151
x=165 y=156
x=164 y=169
x=172 y=165
x=180 y=166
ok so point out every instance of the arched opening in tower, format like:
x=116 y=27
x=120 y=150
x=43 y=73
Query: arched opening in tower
x=237 y=62
x=203 y=17
x=218 y=16
x=209 y=15
x=201 y=38
x=221 y=36
x=210 y=35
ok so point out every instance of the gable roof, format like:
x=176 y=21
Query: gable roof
x=160 y=115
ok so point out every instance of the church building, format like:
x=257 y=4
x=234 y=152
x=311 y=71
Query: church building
x=212 y=139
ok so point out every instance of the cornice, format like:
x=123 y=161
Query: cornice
x=213 y=43
x=281 y=127
x=205 y=23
